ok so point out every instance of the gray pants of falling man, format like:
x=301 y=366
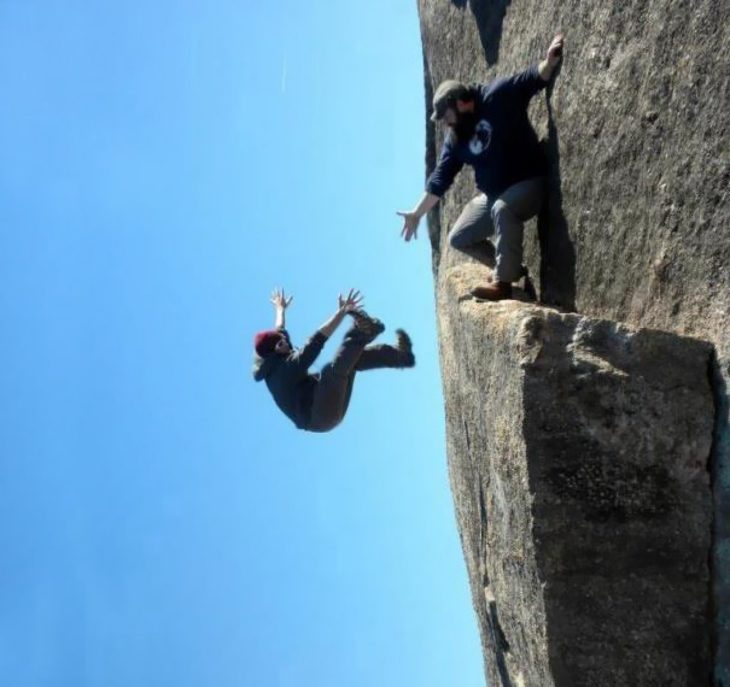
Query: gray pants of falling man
x=500 y=220
x=332 y=393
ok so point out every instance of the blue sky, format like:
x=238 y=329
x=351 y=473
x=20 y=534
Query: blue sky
x=163 y=167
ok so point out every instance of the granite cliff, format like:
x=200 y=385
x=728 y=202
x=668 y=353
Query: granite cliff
x=587 y=434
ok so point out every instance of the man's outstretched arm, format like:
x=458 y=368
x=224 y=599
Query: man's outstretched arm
x=440 y=180
x=313 y=347
x=281 y=303
x=352 y=301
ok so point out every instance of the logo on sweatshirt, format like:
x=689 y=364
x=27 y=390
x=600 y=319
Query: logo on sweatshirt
x=482 y=137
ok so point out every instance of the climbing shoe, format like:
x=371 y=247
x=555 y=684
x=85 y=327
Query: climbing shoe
x=369 y=326
x=405 y=347
x=496 y=291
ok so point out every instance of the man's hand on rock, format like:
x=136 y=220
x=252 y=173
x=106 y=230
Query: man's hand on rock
x=555 y=51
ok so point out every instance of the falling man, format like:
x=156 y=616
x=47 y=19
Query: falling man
x=317 y=402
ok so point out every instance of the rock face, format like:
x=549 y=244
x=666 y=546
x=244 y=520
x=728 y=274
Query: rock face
x=598 y=550
x=578 y=457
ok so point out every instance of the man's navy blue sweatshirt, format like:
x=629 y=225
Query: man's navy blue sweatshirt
x=504 y=149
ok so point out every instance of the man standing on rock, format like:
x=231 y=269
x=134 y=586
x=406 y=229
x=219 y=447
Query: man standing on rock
x=488 y=128
x=318 y=402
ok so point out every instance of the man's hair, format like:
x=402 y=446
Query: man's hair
x=265 y=342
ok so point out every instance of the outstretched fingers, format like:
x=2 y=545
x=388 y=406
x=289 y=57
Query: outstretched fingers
x=410 y=225
x=352 y=301
x=279 y=298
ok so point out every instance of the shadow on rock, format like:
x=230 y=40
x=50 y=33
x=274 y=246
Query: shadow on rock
x=720 y=471
x=489 y=15
x=557 y=254
x=501 y=645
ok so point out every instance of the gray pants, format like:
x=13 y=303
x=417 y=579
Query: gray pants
x=500 y=220
x=332 y=394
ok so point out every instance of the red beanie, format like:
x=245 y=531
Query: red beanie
x=265 y=342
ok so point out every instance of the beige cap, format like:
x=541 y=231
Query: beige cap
x=446 y=95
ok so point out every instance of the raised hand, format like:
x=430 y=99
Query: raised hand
x=352 y=301
x=280 y=300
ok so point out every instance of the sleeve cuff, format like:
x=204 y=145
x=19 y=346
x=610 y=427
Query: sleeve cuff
x=434 y=190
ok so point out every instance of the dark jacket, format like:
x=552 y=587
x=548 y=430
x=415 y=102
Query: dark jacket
x=504 y=149
x=288 y=379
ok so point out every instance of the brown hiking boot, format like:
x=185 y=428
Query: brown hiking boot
x=369 y=326
x=405 y=346
x=496 y=291
x=529 y=285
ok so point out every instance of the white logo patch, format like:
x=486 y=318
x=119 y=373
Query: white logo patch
x=482 y=137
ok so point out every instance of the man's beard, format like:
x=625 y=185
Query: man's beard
x=466 y=122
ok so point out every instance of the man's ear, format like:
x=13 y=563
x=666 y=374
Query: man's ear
x=464 y=105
